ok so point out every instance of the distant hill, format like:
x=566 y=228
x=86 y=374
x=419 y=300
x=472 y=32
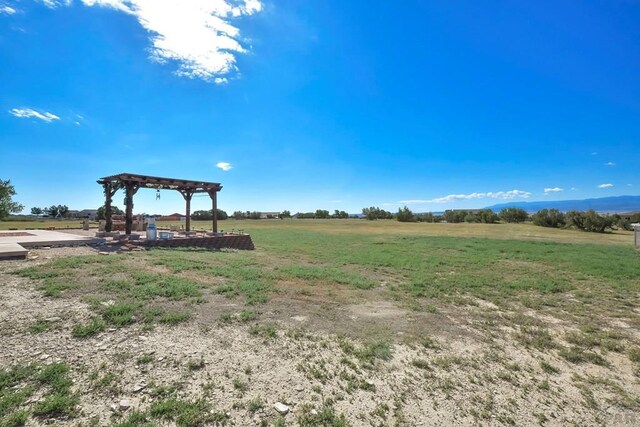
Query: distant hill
x=618 y=204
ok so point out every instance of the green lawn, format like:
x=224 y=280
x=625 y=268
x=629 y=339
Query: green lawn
x=369 y=261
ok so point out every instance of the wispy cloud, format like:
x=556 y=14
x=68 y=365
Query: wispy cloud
x=52 y=4
x=197 y=35
x=224 y=166
x=6 y=10
x=610 y=164
x=25 y=113
x=605 y=185
x=512 y=194
x=553 y=190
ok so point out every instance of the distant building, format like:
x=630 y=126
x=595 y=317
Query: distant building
x=172 y=217
x=91 y=214
x=269 y=215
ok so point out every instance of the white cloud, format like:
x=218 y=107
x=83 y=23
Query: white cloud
x=573 y=188
x=553 y=190
x=196 y=34
x=7 y=10
x=610 y=164
x=506 y=195
x=605 y=185
x=224 y=166
x=52 y=4
x=26 y=113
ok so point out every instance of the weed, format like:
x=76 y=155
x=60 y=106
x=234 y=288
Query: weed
x=536 y=337
x=94 y=327
x=175 y=317
x=145 y=358
x=577 y=355
x=267 y=330
x=40 y=326
x=548 y=368
x=254 y=405
x=187 y=413
x=119 y=314
x=326 y=416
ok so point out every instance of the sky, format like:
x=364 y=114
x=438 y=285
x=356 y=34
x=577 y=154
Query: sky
x=321 y=104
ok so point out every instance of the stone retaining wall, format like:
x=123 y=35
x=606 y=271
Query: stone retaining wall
x=243 y=242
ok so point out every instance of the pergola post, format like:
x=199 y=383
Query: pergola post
x=109 y=191
x=214 y=210
x=130 y=190
x=187 y=197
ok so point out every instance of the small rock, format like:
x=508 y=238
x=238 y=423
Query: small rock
x=281 y=408
x=313 y=412
x=103 y=253
x=44 y=357
x=113 y=407
x=139 y=387
x=124 y=405
x=300 y=388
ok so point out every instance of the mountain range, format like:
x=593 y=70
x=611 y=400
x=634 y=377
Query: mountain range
x=617 y=204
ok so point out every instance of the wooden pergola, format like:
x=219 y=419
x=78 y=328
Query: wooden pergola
x=131 y=183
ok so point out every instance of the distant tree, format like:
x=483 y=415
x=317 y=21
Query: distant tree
x=7 y=205
x=285 y=214
x=239 y=215
x=322 y=214
x=455 y=216
x=375 y=212
x=254 y=215
x=305 y=215
x=100 y=212
x=428 y=217
x=63 y=211
x=36 y=211
x=487 y=216
x=513 y=215
x=339 y=214
x=549 y=218
x=405 y=215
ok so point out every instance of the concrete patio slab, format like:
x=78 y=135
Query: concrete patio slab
x=39 y=238
x=12 y=251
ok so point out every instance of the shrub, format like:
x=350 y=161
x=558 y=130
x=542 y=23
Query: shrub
x=549 y=218
x=589 y=221
x=513 y=215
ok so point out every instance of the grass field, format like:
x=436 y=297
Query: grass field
x=502 y=323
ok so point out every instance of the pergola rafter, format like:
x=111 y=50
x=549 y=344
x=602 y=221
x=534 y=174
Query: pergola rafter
x=133 y=182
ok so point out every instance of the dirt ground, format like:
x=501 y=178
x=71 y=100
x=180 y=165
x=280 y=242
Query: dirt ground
x=466 y=370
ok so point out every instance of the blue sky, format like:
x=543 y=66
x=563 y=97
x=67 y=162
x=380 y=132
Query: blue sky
x=321 y=104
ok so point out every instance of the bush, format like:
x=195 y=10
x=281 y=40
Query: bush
x=549 y=218
x=516 y=215
x=589 y=221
